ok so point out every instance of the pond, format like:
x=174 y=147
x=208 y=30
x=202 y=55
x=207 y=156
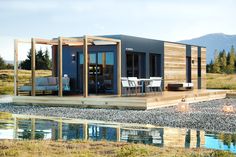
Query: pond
x=15 y=126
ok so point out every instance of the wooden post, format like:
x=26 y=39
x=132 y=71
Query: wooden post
x=15 y=128
x=85 y=68
x=118 y=68
x=118 y=134
x=16 y=67
x=33 y=66
x=32 y=128
x=85 y=131
x=54 y=53
x=60 y=66
x=60 y=129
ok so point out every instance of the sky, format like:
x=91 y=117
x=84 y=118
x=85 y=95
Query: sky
x=170 y=20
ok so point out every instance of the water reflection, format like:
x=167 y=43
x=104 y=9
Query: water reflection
x=33 y=127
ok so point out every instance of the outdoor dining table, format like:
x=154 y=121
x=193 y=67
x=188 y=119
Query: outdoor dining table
x=143 y=82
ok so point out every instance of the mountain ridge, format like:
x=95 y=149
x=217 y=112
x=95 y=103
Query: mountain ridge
x=219 y=41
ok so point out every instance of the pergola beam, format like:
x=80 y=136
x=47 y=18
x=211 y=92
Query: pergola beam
x=103 y=38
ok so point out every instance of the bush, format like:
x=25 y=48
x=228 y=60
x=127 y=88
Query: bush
x=132 y=151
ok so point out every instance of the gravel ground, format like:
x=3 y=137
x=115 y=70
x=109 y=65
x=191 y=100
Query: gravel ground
x=203 y=115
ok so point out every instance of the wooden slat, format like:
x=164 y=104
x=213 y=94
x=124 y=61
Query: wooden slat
x=194 y=66
x=203 y=68
x=174 y=63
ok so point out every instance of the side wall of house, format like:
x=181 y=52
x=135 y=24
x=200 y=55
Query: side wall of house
x=194 y=66
x=203 y=68
x=174 y=63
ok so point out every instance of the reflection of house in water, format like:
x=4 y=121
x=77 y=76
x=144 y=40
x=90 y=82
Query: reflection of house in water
x=144 y=135
x=68 y=129
x=176 y=137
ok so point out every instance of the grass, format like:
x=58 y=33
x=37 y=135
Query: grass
x=221 y=81
x=214 y=81
x=12 y=148
x=7 y=79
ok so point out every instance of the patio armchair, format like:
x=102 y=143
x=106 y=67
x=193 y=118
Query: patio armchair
x=155 y=83
x=125 y=84
x=134 y=83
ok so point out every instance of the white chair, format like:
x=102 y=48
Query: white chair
x=125 y=84
x=133 y=82
x=155 y=83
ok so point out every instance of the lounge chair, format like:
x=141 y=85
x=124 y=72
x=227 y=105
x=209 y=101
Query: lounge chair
x=155 y=83
x=125 y=84
x=133 y=82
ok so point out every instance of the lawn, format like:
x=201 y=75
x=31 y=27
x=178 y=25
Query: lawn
x=214 y=81
x=7 y=79
x=99 y=149
x=221 y=81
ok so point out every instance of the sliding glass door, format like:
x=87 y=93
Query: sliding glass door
x=133 y=65
x=100 y=72
x=155 y=65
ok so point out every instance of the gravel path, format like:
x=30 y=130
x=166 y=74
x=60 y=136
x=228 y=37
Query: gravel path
x=202 y=115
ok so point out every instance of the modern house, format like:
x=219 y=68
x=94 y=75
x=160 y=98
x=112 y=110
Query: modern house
x=140 y=57
x=110 y=57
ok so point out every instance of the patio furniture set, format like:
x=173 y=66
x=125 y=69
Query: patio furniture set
x=133 y=84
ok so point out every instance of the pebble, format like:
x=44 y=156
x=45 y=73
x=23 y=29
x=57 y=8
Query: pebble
x=206 y=115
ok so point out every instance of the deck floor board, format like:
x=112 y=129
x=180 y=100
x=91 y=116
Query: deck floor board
x=168 y=98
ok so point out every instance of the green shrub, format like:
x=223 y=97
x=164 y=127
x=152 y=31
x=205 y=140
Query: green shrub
x=218 y=153
x=132 y=151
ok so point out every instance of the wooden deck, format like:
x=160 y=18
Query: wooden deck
x=126 y=102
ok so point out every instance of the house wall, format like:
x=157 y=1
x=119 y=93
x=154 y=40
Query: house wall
x=139 y=45
x=174 y=63
x=173 y=59
x=194 y=66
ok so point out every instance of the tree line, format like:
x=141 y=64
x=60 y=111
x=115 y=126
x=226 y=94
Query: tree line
x=4 y=65
x=42 y=62
x=223 y=62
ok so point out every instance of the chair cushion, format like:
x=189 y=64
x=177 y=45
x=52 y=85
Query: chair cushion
x=41 y=88
x=52 y=88
x=42 y=81
x=29 y=88
x=25 y=88
x=52 y=81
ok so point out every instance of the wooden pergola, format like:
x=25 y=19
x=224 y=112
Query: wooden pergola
x=60 y=41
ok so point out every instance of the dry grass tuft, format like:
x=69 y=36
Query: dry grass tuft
x=10 y=148
x=221 y=81
x=7 y=79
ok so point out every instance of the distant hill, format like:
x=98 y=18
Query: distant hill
x=214 y=41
